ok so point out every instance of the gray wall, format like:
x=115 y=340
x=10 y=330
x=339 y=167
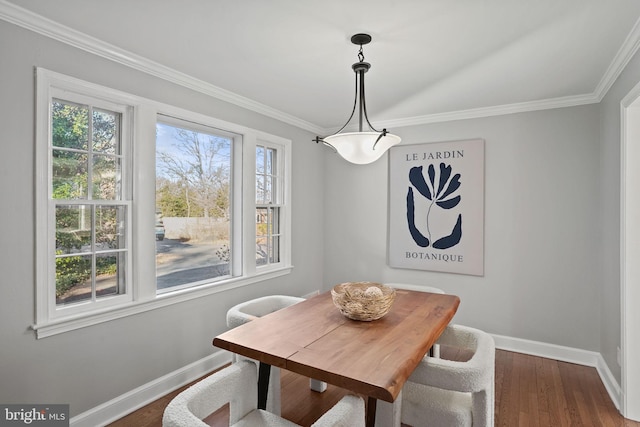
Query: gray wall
x=610 y=205
x=90 y=366
x=543 y=216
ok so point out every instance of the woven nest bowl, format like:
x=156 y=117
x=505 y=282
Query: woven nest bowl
x=364 y=301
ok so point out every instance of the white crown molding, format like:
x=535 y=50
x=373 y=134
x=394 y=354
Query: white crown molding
x=39 y=24
x=46 y=27
x=497 y=110
x=622 y=58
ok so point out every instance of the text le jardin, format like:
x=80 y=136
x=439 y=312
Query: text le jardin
x=437 y=155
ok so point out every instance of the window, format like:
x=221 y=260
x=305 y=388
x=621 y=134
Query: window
x=111 y=242
x=268 y=205
x=88 y=203
x=193 y=204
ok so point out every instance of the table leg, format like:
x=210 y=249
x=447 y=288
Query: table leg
x=264 y=371
x=371 y=411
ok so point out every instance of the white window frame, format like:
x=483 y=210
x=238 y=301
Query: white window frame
x=280 y=202
x=141 y=294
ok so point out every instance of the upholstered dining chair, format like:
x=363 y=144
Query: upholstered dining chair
x=453 y=393
x=414 y=287
x=258 y=307
x=236 y=385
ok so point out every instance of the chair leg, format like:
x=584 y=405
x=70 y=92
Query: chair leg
x=316 y=385
x=434 y=351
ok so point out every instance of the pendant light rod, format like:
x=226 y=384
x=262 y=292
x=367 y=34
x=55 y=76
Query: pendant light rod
x=360 y=68
x=363 y=107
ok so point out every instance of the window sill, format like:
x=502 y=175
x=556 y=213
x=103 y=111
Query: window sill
x=60 y=326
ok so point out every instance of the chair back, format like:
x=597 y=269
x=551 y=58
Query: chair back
x=235 y=385
x=413 y=287
x=475 y=376
x=469 y=376
x=249 y=310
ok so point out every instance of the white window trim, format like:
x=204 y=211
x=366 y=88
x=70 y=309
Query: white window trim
x=282 y=168
x=144 y=296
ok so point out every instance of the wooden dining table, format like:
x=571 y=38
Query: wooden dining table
x=314 y=339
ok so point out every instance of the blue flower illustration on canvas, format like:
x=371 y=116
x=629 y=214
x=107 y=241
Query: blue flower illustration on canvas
x=440 y=195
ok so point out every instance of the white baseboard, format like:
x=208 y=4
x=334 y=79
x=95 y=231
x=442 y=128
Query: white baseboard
x=610 y=383
x=122 y=405
x=565 y=354
x=125 y=404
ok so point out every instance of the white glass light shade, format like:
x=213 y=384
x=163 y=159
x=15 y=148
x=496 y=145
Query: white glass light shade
x=357 y=147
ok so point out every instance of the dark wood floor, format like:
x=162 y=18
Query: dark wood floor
x=530 y=391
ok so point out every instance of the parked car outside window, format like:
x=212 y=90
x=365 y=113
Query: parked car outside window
x=159 y=227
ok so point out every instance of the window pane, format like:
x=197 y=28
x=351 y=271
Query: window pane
x=262 y=221
x=110 y=230
x=269 y=161
x=193 y=184
x=73 y=229
x=276 y=186
x=267 y=235
x=105 y=132
x=260 y=185
x=266 y=178
x=73 y=279
x=106 y=178
x=262 y=250
x=268 y=186
x=69 y=125
x=110 y=274
x=260 y=160
x=69 y=178
x=260 y=178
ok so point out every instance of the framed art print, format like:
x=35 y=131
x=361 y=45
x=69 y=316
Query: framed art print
x=436 y=207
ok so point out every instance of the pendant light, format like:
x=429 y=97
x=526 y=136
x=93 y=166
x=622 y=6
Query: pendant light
x=363 y=146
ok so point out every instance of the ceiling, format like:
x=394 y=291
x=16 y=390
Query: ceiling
x=430 y=59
